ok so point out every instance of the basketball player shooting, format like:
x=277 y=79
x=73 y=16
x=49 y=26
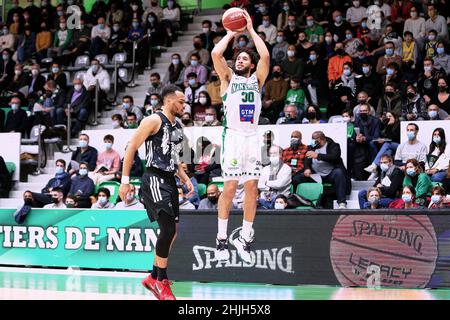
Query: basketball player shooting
x=162 y=135
x=241 y=153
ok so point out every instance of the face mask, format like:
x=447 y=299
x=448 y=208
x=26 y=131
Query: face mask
x=5 y=57
x=384 y=167
x=185 y=121
x=313 y=143
x=389 y=71
x=116 y=28
x=312 y=57
x=274 y=160
x=328 y=39
x=77 y=87
x=364 y=116
x=338 y=19
x=59 y=170
x=202 y=100
x=28 y=201
x=286 y=9
x=365 y=70
x=262 y=9
x=102 y=200
x=340 y=51
x=83 y=172
x=134 y=7
x=279 y=206
x=170 y=4
x=436 y=198
x=389 y=52
x=194 y=63
x=135 y=25
x=411 y=172
x=126 y=106
x=442 y=88
x=410 y=135
x=279 y=39
x=132 y=126
x=154 y=102
x=427 y=69
x=209 y=118
x=276 y=74
x=55 y=70
x=346 y=119
x=266 y=24
x=364 y=25
x=414 y=14
x=55 y=200
x=214 y=78
x=130 y=197
x=310 y=23
x=192 y=82
x=15 y=106
x=62 y=25
x=175 y=61
x=5 y=31
x=242 y=43
x=377 y=3
x=291 y=53
x=82 y=144
x=432 y=114
x=431 y=37
x=437 y=140
x=410 y=95
x=101 y=26
x=70 y=205
x=348 y=36
x=34 y=72
x=440 y=51
x=390 y=94
x=374 y=200
x=95 y=68
x=108 y=145
x=356 y=4
x=116 y=124
x=310 y=115
x=406 y=198
x=347 y=72
x=60 y=13
x=197 y=46
x=295 y=143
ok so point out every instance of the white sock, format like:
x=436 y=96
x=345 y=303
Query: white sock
x=246 y=230
x=222 y=227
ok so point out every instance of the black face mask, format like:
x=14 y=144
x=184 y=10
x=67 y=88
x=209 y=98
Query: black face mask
x=390 y=94
x=364 y=116
x=214 y=78
x=295 y=143
x=340 y=52
x=185 y=121
x=276 y=74
x=442 y=88
x=197 y=46
x=55 y=200
x=155 y=85
x=310 y=115
x=28 y=201
x=213 y=199
x=410 y=95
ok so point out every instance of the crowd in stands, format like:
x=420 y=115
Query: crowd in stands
x=369 y=64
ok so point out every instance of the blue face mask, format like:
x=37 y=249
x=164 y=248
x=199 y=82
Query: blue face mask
x=312 y=57
x=348 y=36
x=192 y=82
x=82 y=144
x=433 y=115
x=406 y=198
x=389 y=71
x=365 y=70
x=411 y=172
x=389 y=52
x=135 y=25
x=347 y=72
x=437 y=140
x=436 y=198
x=313 y=143
x=242 y=43
x=410 y=135
x=126 y=106
x=83 y=172
x=364 y=25
x=59 y=170
x=194 y=63
x=154 y=102
x=384 y=167
x=339 y=19
x=108 y=145
x=280 y=39
x=440 y=50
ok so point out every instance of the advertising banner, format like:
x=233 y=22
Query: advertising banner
x=370 y=248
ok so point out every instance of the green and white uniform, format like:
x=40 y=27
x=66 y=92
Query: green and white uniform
x=241 y=151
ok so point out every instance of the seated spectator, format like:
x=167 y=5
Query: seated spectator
x=81 y=41
x=389 y=183
x=128 y=107
x=56 y=74
x=55 y=101
x=193 y=88
x=185 y=204
x=428 y=80
x=369 y=82
x=117 y=41
x=291 y=65
x=6 y=69
x=213 y=88
x=198 y=109
x=336 y=64
x=196 y=67
x=414 y=107
x=61 y=182
x=100 y=35
x=80 y=104
x=438 y=196
x=415 y=25
x=373 y=199
x=294 y=157
x=410 y=52
x=62 y=39
x=171 y=20
x=176 y=71
x=156 y=86
x=441 y=59
x=16 y=120
x=36 y=81
x=436 y=22
x=387 y=143
x=19 y=81
x=315 y=78
x=153 y=104
x=279 y=50
x=295 y=95
x=57 y=199
x=435 y=113
x=338 y=26
x=82 y=187
x=205 y=55
x=43 y=41
x=355 y=13
x=130 y=202
x=7 y=39
x=418 y=179
x=275 y=179
x=314 y=30
x=186 y=120
x=390 y=56
x=71 y=202
x=393 y=74
x=437 y=160
x=280 y=202
x=411 y=149
x=84 y=153
x=108 y=162
x=407 y=201
x=290 y=115
x=326 y=161
x=103 y=200
x=97 y=74
x=117 y=121
x=206 y=161
x=131 y=122
x=431 y=44
x=351 y=44
x=5 y=179
x=292 y=30
x=211 y=118
x=268 y=28
x=26 y=46
x=275 y=95
x=313 y=115
x=442 y=97
x=212 y=198
x=364 y=98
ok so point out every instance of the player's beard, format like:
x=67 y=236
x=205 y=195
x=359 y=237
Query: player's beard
x=243 y=73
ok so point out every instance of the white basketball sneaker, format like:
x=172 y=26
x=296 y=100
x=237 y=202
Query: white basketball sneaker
x=222 y=252
x=243 y=249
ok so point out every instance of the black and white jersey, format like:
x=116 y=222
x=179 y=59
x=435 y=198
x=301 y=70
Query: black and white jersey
x=163 y=149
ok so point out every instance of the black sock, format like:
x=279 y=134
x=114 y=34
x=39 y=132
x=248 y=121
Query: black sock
x=162 y=274
x=154 y=273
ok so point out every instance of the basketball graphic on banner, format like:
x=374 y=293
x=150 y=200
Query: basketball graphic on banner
x=399 y=251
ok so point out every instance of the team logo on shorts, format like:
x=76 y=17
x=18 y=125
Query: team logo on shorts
x=234 y=162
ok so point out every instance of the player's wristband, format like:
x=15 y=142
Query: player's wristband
x=125 y=180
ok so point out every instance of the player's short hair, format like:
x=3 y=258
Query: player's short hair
x=168 y=90
x=253 y=57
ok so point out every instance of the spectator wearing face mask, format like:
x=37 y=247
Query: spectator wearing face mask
x=129 y=107
x=193 y=88
x=97 y=74
x=413 y=107
x=212 y=198
x=118 y=39
x=416 y=25
x=171 y=20
x=156 y=86
x=82 y=187
x=313 y=115
x=436 y=22
x=211 y=118
x=204 y=55
x=292 y=30
x=437 y=163
x=442 y=59
x=292 y=66
x=394 y=75
x=279 y=50
x=390 y=102
x=373 y=199
x=213 y=88
x=36 y=80
x=369 y=82
x=442 y=97
x=338 y=26
x=80 y=103
x=294 y=157
x=280 y=202
x=117 y=121
x=417 y=179
x=315 y=77
x=198 y=109
x=175 y=72
x=275 y=179
x=130 y=202
x=268 y=28
x=131 y=122
x=7 y=39
x=276 y=89
x=186 y=120
x=57 y=75
x=16 y=120
x=152 y=104
x=427 y=83
x=389 y=56
x=6 y=69
x=100 y=35
x=336 y=63
x=363 y=98
x=102 y=202
x=435 y=113
x=62 y=39
x=407 y=200
x=290 y=115
x=43 y=41
x=411 y=149
x=57 y=199
x=71 y=202
x=84 y=153
x=438 y=198
x=356 y=13
x=108 y=162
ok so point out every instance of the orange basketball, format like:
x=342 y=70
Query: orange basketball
x=390 y=251
x=233 y=19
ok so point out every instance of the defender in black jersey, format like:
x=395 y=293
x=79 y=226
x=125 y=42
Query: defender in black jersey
x=163 y=138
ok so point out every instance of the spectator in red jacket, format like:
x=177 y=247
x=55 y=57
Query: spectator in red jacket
x=407 y=201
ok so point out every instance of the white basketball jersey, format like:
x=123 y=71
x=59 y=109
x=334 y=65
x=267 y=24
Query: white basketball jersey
x=242 y=104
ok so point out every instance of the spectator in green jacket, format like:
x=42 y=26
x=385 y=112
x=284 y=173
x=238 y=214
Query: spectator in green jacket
x=418 y=179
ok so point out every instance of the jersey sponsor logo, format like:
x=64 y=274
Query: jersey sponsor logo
x=244 y=86
x=247 y=112
x=234 y=162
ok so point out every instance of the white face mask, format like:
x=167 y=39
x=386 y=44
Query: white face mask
x=346 y=119
x=77 y=87
x=17 y=72
x=209 y=118
x=116 y=124
x=279 y=206
x=202 y=100
x=34 y=72
x=275 y=160
x=291 y=53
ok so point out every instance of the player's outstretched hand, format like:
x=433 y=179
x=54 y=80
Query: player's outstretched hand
x=123 y=191
x=190 y=188
x=249 y=21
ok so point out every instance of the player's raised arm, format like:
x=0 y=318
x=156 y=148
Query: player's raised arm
x=148 y=126
x=263 y=67
x=220 y=64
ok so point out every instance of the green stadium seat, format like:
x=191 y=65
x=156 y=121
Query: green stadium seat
x=11 y=167
x=201 y=189
x=311 y=191
x=113 y=187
